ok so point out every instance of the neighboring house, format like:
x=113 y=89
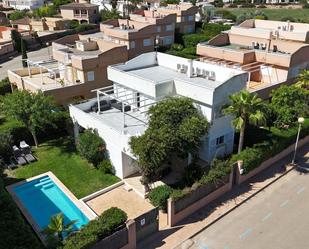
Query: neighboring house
x=78 y=66
x=6 y=44
x=81 y=11
x=24 y=4
x=272 y=52
x=22 y=24
x=185 y=16
x=141 y=33
x=41 y=24
x=49 y=24
x=120 y=111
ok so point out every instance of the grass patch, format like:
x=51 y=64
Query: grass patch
x=275 y=14
x=60 y=157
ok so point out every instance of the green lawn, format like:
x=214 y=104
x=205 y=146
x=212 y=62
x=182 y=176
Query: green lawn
x=77 y=174
x=276 y=14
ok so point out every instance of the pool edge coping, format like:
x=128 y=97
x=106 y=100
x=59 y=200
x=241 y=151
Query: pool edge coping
x=78 y=203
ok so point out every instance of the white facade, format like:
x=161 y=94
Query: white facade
x=24 y=4
x=105 y=4
x=149 y=78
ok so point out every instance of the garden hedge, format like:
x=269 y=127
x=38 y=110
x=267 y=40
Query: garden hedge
x=159 y=195
x=253 y=157
x=15 y=232
x=106 y=224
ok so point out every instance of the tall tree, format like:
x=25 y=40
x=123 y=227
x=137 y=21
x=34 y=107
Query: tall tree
x=289 y=103
x=57 y=228
x=303 y=79
x=246 y=108
x=175 y=127
x=24 y=55
x=33 y=110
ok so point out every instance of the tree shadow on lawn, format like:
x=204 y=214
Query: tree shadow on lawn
x=64 y=144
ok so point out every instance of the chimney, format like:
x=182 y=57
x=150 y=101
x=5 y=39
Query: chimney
x=190 y=68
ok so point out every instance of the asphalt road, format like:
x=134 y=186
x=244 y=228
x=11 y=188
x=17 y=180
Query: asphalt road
x=15 y=63
x=276 y=218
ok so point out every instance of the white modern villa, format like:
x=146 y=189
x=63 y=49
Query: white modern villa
x=120 y=111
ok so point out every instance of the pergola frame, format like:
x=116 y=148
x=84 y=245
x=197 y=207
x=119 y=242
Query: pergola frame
x=112 y=93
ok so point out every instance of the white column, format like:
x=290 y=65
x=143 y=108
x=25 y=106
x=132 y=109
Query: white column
x=76 y=131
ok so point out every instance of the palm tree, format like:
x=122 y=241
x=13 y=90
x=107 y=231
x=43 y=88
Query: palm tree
x=303 y=79
x=57 y=228
x=246 y=108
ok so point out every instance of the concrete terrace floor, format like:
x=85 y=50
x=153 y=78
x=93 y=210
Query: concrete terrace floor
x=123 y=198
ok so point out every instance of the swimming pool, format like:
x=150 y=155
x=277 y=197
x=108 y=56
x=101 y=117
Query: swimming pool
x=43 y=198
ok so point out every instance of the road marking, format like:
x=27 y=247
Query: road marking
x=284 y=203
x=267 y=216
x=245 y=233
x=301 y=190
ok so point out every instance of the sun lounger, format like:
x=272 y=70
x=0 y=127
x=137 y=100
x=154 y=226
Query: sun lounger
x=26 y=151
x=19 y=156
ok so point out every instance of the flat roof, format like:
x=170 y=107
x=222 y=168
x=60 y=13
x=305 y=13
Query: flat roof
x=159 y=74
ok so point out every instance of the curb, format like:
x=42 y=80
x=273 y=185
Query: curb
x=237 y=205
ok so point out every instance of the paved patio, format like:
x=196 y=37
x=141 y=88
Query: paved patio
x=120 y=197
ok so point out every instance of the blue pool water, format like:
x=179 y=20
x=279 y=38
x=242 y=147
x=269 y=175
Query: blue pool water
x=43 y=198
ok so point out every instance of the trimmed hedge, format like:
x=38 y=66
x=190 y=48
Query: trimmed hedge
x=260 y=152
x=108 y=222
x=159 y=195
x=15 y=232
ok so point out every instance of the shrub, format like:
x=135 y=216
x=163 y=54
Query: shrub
x=84 y=27
x=219 y=169
x=159 y=195
x=192 y=173
x=106 y=167
x=5 y=86
x=107 y=223
x=91 y=146
x=192 y=40
x=5 y=145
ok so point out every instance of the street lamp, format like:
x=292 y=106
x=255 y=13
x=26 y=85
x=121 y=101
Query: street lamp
x=300 y=121
x=47 y=44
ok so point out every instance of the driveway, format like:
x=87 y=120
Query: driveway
x=276 y=218
x=15 y=63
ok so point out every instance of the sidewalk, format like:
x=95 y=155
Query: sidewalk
x=168 y=238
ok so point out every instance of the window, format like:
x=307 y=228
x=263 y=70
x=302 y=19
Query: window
x=190 y=29
x=84 y=12
x=220 y=140
x=158 y=29
x=76 y=12
x=167 y=40
x=169 y=27
x=90 y=76
x=190 y=18
x=147 y=42
x=132 y=44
